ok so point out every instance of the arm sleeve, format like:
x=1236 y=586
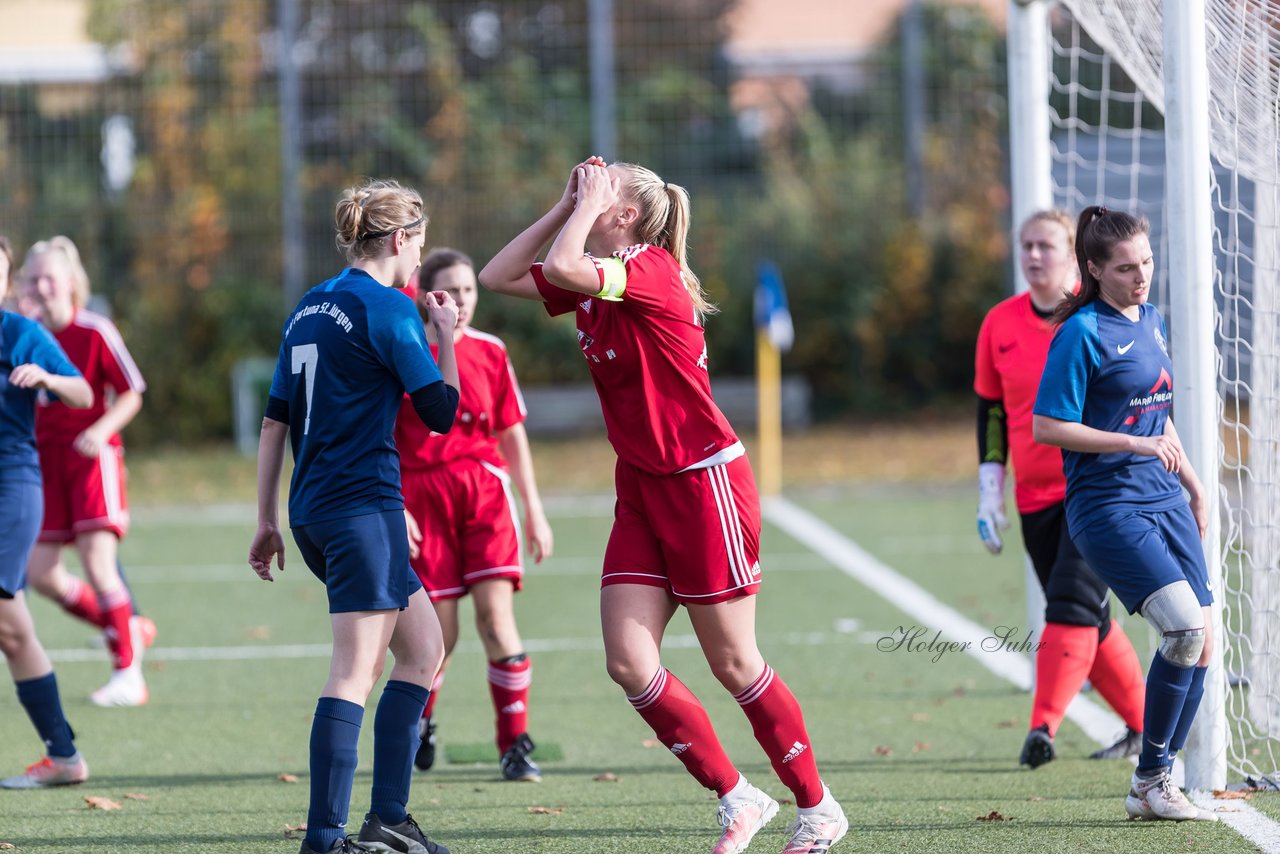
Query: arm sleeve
x=399 y=339
x=555 y=300
x=277 y=409
x=46 y=352
x=436 y=405
x=1073 y=362
x=993 y=431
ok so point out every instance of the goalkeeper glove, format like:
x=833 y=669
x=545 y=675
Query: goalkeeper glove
x=991 y=518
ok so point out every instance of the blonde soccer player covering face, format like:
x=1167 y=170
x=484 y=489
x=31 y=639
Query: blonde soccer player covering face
x=687 y=521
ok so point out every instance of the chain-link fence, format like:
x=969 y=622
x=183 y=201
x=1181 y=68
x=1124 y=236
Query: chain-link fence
x=196 y=161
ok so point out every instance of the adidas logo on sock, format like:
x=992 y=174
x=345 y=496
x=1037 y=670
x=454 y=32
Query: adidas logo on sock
x=680 y=747
x=514 y=709
x=796 y=750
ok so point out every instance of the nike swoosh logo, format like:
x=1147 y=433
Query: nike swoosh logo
x=1124 y=349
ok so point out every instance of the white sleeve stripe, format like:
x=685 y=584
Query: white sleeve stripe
x=115 y=344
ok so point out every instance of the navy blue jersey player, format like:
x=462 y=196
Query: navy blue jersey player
x=30 y=362
x=1105 y=398
x=351 y=349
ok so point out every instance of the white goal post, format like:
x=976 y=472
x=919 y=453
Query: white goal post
x=1172 y=110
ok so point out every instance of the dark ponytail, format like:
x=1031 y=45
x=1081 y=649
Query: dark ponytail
x=1098 y=230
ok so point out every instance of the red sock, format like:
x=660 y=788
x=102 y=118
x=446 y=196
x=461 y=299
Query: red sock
x=778 y=724
x=431 y=698
x=1118 y=677
x=116 y=611
x=80 y=601
x=1062 y=663
x=509 y=687
x=681 y=723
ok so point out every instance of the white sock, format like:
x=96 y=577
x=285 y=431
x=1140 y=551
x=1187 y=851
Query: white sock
x=821 y=806
x=737 y=790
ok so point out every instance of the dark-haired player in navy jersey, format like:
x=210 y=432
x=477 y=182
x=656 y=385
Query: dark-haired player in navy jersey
x=350 y=350
x=1104 y=399
x=30 y=362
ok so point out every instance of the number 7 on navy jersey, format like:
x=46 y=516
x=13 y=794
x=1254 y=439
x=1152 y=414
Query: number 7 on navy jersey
x=306 y=356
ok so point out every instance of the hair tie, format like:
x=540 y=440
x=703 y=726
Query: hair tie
x=665 y=186
x=1102 y=211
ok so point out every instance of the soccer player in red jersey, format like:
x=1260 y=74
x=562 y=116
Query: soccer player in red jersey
x=82 y=459
x=461 y=515
x=1080 y=640
x=687 y=519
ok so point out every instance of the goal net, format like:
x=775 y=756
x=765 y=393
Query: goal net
x=1108 y=147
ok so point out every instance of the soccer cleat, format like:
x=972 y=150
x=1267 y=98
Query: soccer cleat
x=1130 y=744
x=126 y=687
x=1038 y=748
x=516 y=764
x=403 y=838
x=50 y=772
x=426 y=755
x=742 y=816
x=345 y=845
x=816 y=831
x=1156 y=797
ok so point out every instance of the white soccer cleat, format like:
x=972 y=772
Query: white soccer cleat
x=50 y=772
x=126 y=687
x=742 y=813
x=1155 y=798
x=817 y=830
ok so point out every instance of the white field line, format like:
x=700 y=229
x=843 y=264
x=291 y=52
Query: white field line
x=221 y=573
x=847 y=631
x=1098 y=723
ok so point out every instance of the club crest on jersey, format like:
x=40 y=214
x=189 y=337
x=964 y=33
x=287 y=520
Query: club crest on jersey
x=1160 y=341
x=585 y=340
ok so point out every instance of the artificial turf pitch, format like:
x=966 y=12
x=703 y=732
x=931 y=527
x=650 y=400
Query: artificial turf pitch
x=920 y=748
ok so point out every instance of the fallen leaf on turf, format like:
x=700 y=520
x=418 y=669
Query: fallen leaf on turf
x=993 y=816
x=882 y=750
x=136 y=796
x=290 y=830
x=1230 y=795
x=546 y=810
x=919 y=717
x=786 y=802
x=1009 y=724
x=258 y=633
x=7 y=846
x=920 y=747
x=650 y=743
x=1035 y=798
x=288 y=778
x=97 y=802
x=606 y=777
x=156 y=665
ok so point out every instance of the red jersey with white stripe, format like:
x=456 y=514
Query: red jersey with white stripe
x=488 y=403
x=1013 y=345
x=648 y=359
x=94 y=345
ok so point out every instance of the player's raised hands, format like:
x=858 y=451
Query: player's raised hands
x=570 y=196
x=442 y=311
x=597 y=187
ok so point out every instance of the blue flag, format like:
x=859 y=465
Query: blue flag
x=772 y=314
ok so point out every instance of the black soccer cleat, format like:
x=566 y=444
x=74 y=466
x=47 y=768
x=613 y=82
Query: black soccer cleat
x=1130 y=744
x=345 y=845
x=403 y=838
x=1038 y=748
x=516 y=764
x=426 y=755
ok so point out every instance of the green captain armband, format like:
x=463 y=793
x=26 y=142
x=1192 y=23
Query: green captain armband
x=615 y=278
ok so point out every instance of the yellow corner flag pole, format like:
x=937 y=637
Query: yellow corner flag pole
x=769 y=412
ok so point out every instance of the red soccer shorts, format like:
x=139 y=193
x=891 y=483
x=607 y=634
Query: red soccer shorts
x=695 y=533
x=467 y=516
x=83 y=495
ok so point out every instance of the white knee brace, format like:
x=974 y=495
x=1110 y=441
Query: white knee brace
x=1176 y=614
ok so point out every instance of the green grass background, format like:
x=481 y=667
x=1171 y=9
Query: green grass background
x=916 y=750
